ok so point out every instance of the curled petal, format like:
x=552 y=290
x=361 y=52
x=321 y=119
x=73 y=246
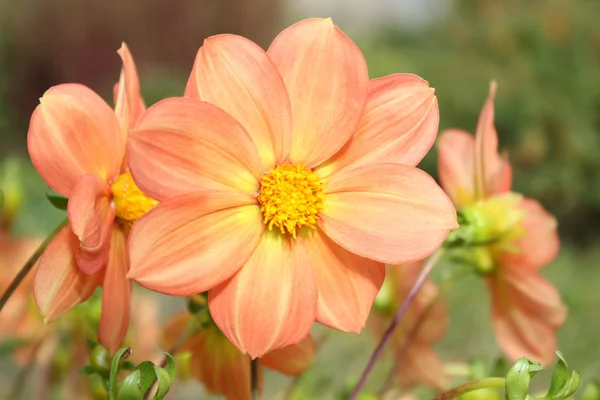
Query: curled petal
x=73 y=132
x=59 y=285
x=347 y=283
x=191 y=243
x=129 y=104
x=398 y=125
x=492 y=173
x=183 y=146
x=116 y=291
x=456 y=165
x=237 y=75
x=326 y=77
x=271 y=302
x=540 y=244
x=91 y=215
x=291 y=360
x=408 y=215
x=524 y=323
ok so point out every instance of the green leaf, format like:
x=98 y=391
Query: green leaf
x=559 y=377
x=130 y=387
x=128 y=365
x=7 y=347
x=147 y=375
x=114 y=371
x=170 y=367
x=1 y=199
x=57 y=201
x=88 y=370
x=571 y=387
x=517 y=380
x=164 y=383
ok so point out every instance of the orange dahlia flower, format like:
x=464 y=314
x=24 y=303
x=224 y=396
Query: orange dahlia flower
x=424 y=324
x=220 y=366
x=526 y=308
x=285 y=202
x=77 y=144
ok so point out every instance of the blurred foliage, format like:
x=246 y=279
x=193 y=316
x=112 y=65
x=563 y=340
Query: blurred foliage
x=545 y=56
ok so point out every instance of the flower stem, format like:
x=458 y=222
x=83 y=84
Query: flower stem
x=254 y=378
x=29 y=265
x=485 y=383
x=433 y=259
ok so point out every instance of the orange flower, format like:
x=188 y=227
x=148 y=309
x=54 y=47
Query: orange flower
x=285 y=202
x=521 y=238
x=221 y=367
x=77 y=144
x=424 y=323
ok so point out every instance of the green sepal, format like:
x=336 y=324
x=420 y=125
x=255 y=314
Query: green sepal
x=559 y=377
x=120 y=354
x=57 y=201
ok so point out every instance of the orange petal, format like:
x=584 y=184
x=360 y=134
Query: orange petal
x=183 y=145
x=116 y=290
x=73 y=132
x=291 y=360
x=191 y=243
x=220 y=366
x=237 y=75
x=59 y=285
x=408 y=215
x=519 y=332
x=129 y=104
x=326 y=78
x=540 y=244
x=347 y=283
x=271 y=302
x=492 y=173
x=399 y=125
x=456 y=165
x=91 y=215
x=174 y=328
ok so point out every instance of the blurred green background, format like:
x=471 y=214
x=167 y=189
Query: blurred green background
x=544 y=54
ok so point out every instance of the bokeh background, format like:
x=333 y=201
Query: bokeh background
x=544 y=55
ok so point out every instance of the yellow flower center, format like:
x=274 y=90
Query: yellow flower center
x=130 y=202
x=291 y=197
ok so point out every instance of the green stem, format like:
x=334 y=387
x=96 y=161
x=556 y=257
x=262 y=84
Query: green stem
x=485 y=383
x=29 y=265
x=254 y=378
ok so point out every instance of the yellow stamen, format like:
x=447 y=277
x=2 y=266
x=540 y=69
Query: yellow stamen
x=130 y=202
x=291 y=197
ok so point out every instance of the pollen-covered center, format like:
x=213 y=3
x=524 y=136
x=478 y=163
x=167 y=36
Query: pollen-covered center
x=130 y=202
x=291 y=196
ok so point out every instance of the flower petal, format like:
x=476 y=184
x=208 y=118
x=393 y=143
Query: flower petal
x=540 y=244
x=399 y=125
x=73 y=132
x=116 y=291
x=220 y=366
x=291 y=360
x=91 y=215
x=422 y=366
x=326 y=77
x=456 y=165
x=271 y=302
x=520 y=332
x=59 y=285
x=408 y=215
x=236 y=74
x=492 y=173
x=129 y=104
x=191 y=243
x=183 y=145
x=347 y=283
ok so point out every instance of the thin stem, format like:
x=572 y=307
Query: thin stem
x=377 y=353
x=254 y=378
x=485 y=383
x=29 y=266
